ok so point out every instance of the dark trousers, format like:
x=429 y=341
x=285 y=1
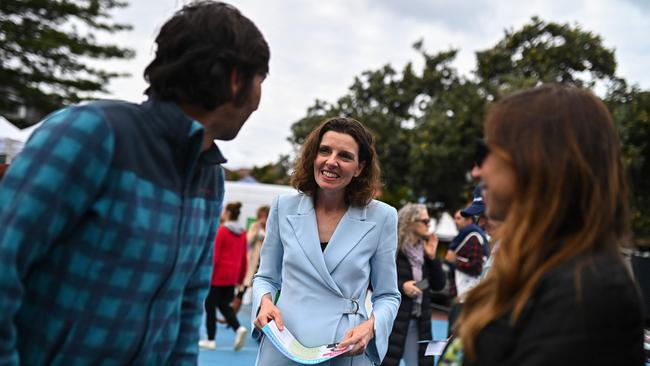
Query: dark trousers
x=220 y=298
x=453 y=315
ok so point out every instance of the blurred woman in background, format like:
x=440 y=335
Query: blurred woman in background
x=418 y=271
x=255 y=237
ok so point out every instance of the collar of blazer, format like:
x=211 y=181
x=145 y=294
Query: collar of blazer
x=350 y=231
x=306 y=207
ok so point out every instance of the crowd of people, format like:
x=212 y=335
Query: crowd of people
x=114 y=239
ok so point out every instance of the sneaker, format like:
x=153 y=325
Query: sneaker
x=240 y=338
x=208 y=344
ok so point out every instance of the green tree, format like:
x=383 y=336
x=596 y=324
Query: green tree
x=390 y=103
x=542 y=52
x=548 y=52
x=443 y=145
x=630 y=108
x=44 y=54
x=273 y=173
x=426 y=122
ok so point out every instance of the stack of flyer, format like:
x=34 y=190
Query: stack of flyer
x=289 y=346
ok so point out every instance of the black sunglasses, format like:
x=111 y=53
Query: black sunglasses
x=481 y=152
x=423 y=221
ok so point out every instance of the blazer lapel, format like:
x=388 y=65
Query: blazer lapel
x=305 y=227
x=349 y=232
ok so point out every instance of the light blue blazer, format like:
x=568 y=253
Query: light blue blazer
x=323 y=293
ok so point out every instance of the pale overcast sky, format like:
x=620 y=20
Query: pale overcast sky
x=317 y=47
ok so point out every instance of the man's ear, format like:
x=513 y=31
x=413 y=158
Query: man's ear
x=236 y=82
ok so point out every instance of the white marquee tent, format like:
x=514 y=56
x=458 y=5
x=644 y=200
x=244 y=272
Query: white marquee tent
x=12 y=139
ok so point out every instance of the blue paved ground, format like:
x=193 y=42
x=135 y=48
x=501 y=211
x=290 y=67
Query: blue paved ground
x=224 y=354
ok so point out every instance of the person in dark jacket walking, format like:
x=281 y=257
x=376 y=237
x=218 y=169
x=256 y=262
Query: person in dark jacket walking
x=417 y=272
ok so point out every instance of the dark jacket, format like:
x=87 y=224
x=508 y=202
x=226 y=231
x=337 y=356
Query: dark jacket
x=436 y=277
x=600 y=325
x=107 y=222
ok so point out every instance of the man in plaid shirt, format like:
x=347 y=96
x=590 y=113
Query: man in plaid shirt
x=469 y=249
x=108 y=215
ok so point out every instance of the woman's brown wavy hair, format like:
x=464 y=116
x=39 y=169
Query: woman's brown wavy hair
x=570 y=196
x=362 y=188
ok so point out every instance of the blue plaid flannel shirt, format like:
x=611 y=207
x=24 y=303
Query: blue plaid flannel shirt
x=106 y=225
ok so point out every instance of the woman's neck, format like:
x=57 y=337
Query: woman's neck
x=330 y=201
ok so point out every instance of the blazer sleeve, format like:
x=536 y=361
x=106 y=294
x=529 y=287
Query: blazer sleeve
x=268 y=279
x=385 y=296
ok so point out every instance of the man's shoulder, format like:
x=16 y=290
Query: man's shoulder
x=110 y=104
x=115 y=111
x=131 y=124
x=98 y=112
x=105 y=107
x=476 y=233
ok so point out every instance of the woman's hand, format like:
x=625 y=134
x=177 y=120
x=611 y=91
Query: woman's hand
x=431 y=246
x=359 y=337
x=268 y=311
x=410 y=289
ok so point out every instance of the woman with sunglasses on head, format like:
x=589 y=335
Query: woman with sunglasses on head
x=558 y=292
x=417 y=272
x=325 y=246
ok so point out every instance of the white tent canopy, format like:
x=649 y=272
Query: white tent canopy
x=7 y=130
x=445 y=227
x=12 y=139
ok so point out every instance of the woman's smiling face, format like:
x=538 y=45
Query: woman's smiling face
x=337 y=161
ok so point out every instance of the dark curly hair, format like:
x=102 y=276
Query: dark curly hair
x=361 y=189
x=234 y=209
x=199 y=48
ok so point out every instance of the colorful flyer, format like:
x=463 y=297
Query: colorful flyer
x=289 y=346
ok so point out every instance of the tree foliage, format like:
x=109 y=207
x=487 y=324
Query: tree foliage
x=273 y=173
x=543 y=52
x=44 y=54
x=426 y=121
x=630 y=107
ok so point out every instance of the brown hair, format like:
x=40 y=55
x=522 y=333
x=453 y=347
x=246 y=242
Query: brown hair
x=263 y=209
x=234 y=209
x=570 y=196
x=361 y=189
x=197 y=51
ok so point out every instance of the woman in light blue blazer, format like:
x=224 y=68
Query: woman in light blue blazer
x=325 y=246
